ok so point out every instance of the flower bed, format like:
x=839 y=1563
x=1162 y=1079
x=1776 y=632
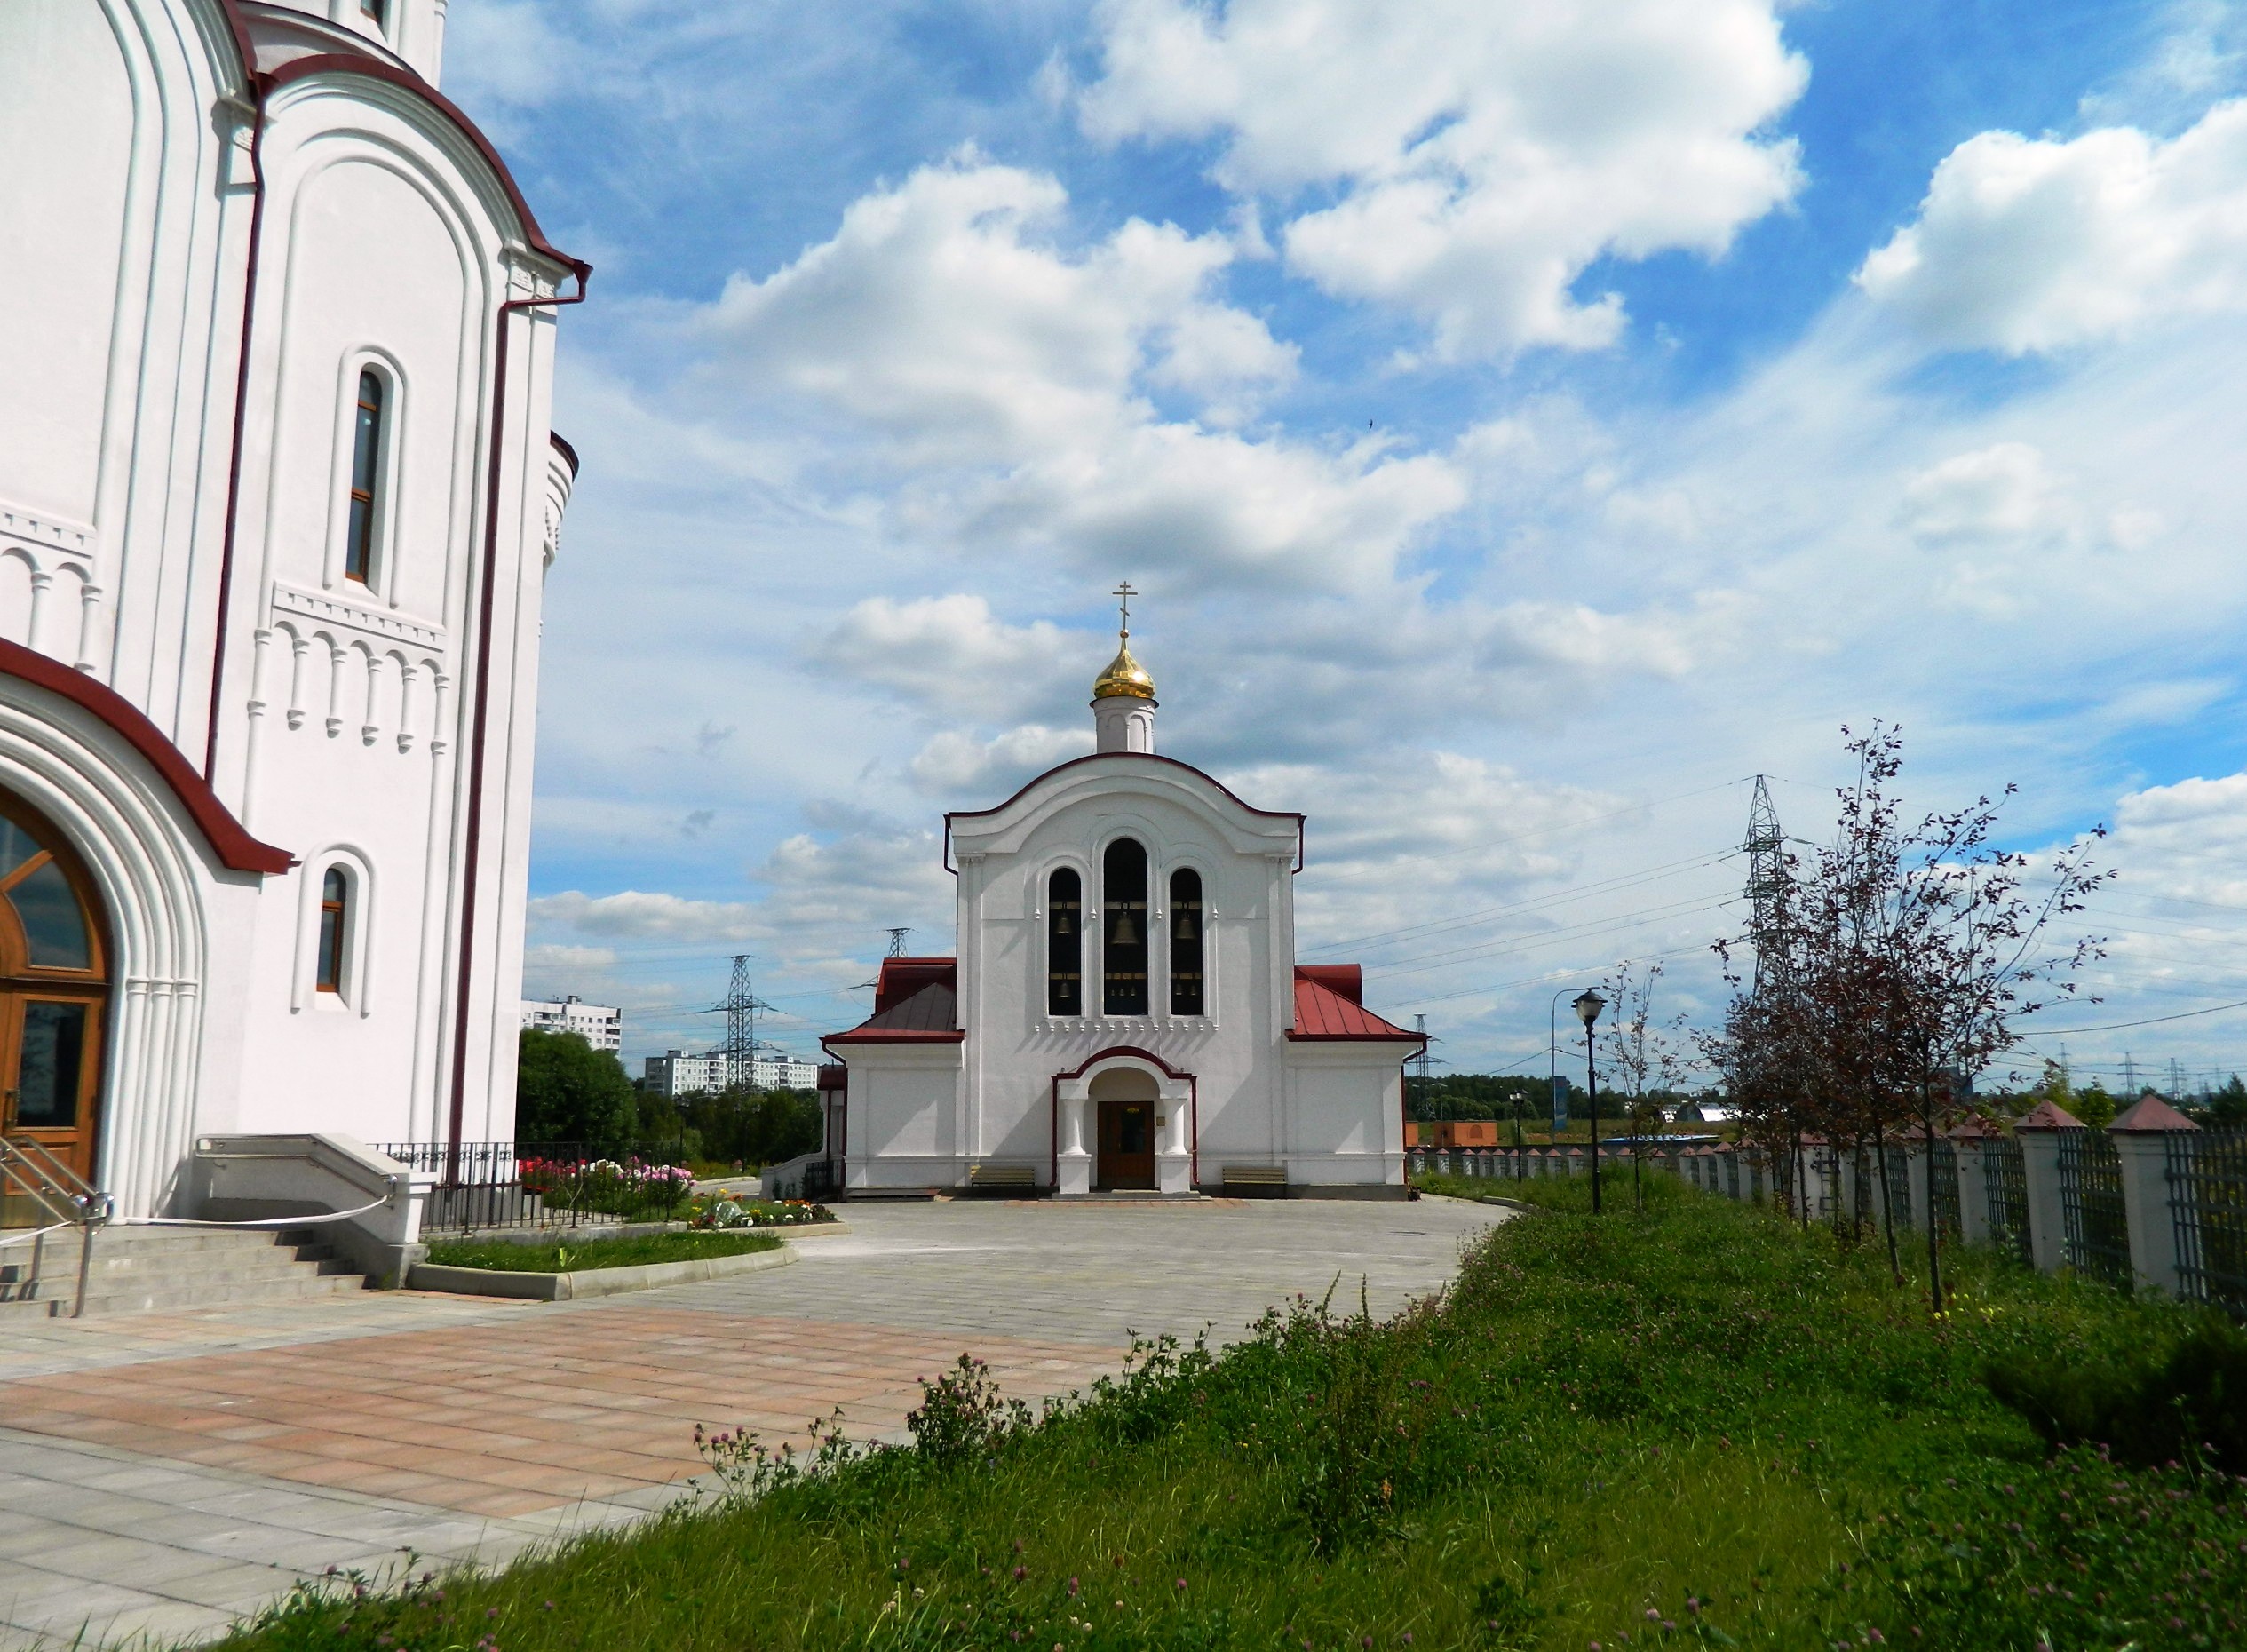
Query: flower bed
x=724 y=1211
x=629 y=1188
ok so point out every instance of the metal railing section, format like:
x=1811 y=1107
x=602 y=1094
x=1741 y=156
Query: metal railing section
x=32 y=1174
x=543 y=1184
x=1942 y=1187
x=2005 y=1181
x=2206 y=1176
x=2091 y=1206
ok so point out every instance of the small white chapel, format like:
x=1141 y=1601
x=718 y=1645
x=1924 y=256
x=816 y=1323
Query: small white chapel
x=1126 y=1012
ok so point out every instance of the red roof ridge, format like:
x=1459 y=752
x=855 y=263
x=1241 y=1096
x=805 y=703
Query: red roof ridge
x=2152 y=1113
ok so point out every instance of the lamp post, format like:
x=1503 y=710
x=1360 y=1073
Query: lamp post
x=1588 y=1006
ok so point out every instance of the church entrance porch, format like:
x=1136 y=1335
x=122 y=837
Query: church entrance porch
x=1127 y=1146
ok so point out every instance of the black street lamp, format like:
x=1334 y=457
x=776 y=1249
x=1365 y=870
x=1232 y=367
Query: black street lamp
x=1588 y=1006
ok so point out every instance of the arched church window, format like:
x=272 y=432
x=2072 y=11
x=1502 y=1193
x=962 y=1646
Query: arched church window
x=1065 y=943
x=1186 y=942
x=334 y=915
x=366 y=457
x=1123 y=928
x=53 y=989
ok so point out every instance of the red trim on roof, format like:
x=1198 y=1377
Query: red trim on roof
x=396 y=75
x=1079 y=1070
x=228 y=837
x=1323 y=1015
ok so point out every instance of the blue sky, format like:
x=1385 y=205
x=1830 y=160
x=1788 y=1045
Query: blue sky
x=1526 y=423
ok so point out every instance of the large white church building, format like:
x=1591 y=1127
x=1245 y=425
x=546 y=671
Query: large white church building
x=1126 y=1012
x=277 y=496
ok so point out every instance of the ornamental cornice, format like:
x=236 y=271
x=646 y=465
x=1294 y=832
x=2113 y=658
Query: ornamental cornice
x=44 y=532
x=368 y=620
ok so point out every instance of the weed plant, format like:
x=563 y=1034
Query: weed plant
x=575 y=1256
x=1697 y=1425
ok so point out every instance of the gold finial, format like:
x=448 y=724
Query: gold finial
x=1125 y=675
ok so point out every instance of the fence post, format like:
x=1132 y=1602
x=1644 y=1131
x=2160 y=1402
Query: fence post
x=2038 y=1133
x=2140 y=1143
x=1974 y=1189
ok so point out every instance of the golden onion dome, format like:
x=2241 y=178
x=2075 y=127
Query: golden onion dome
x=1125 y=675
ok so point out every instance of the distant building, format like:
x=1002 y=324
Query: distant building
x=675 y=1073
x=600 y=1025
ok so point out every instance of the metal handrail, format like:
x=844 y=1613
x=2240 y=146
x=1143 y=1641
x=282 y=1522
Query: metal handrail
x=33 y=1173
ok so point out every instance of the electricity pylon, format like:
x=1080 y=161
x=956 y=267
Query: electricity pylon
x=1767 y=883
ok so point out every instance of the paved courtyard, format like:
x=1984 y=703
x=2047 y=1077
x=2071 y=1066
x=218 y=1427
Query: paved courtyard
x=162 y=1475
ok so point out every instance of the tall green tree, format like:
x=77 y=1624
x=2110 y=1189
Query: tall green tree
x=567 y=1091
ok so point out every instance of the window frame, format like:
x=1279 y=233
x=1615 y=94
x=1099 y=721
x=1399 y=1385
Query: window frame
x=354 y=981
x=375 y=553
x=1049 y=909
x=1201 y=940
x=1144 y=946
x=329 y=945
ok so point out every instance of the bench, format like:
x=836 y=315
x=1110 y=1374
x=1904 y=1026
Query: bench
x=1259 y=1180
x=1015 y=1178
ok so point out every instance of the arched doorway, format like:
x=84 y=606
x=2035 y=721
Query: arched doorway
x=1124 y=1099
x=54 y=990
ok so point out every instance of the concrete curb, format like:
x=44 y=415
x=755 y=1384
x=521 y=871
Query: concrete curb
x=591 y=1282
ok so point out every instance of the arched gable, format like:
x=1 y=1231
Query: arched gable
x=1112 y=777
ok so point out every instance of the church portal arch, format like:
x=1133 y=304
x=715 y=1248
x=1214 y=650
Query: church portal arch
x=54 y=991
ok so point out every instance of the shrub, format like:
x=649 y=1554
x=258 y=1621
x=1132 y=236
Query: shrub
x=2187 y=1401
x=567 y=1091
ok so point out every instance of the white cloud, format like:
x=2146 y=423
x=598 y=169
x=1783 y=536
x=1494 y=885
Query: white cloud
x=2004 y=491
x=1479 y=156
x=555 y=959
x=952 y=763
x=638 y=915
x=951 y=652
x=1011 y=386
x=2026 y=245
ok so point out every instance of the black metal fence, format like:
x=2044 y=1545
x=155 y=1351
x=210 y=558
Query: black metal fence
x=2005 y=1182
x=1895 y=1164
x=545 y=1184
x=2207 y=1181
x=2091 y=1206
x=1942 y=1189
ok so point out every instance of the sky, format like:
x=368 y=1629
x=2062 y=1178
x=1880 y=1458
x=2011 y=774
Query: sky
x=1525 y=424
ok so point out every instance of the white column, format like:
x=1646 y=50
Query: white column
x=1173 y=1163
x=2040 y=1170
x=1974 y=1192
x=2141 y=1138
x=1075 y=1170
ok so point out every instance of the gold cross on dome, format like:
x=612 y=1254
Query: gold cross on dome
x=1124 y=594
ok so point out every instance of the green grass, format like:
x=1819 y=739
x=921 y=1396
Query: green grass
x=1698 y=1417
x=570 y=1258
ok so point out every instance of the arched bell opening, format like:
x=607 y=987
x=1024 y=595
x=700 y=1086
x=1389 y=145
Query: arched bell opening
x=54 y=997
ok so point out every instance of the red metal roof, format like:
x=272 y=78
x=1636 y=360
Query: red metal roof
x=929 y=1016
x=899 y=979
x=2046 y=1115
x=1324 y=1013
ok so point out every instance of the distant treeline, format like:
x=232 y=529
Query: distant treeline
x=1496 y=1095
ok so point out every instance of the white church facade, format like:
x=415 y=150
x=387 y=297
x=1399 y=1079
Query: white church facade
x=277 y=497
x=1124 y=1013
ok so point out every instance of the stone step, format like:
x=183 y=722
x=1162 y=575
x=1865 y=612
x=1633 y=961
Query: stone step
x=145 y=1269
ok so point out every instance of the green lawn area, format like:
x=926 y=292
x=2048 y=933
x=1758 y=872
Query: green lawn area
x=573 y=1255
x=1696 y=1425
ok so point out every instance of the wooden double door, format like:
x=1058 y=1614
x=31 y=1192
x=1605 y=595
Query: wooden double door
x=54 y=995
x=1127 y=1145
